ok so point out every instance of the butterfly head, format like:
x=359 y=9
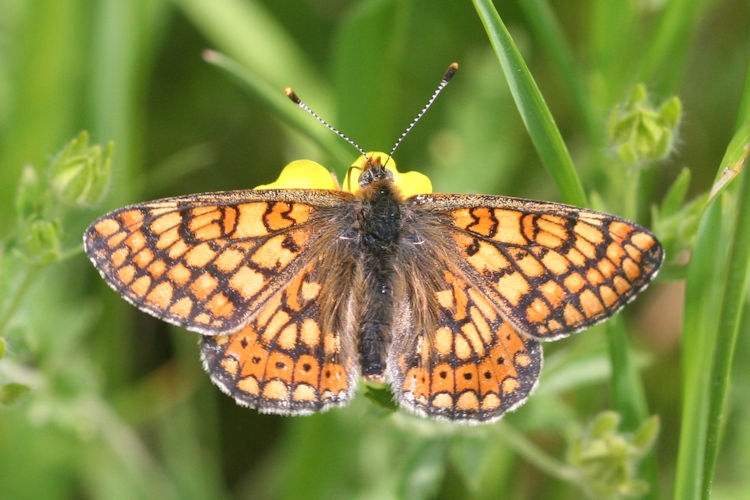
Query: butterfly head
x=374 y=170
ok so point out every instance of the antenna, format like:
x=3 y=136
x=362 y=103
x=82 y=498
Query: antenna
x=296 y=100
x=446 y=79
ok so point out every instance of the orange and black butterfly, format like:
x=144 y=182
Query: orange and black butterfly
x=445 y=297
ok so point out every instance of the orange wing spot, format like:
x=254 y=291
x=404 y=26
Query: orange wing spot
x=210 y=232
x=310 y=291
x=633 y=252
x=444 y=341
x=202 y=318
x=167 y=238
x=468 y=401
x=288 y=337
x=250 y=220
x=416 y=382
x=276 y=389
x=576 y=257
x=280 y=366
x=253 y=359
x=462 y=218
x=118 y=256
x=509 y=227
x=590 y=303
x=179 y=274
x=200 y=255
x=484 y=305
x=615 y=253
x=608 y=295
x=228 y=260
x=246 y=282
x=278 y=321
x=157 y=268
x=130 y=218
x=442 y=379
x=143 y=258
x=275 y=217
x=136 y=241
x=116 y=239
x=331 y=344
x=487 y=379
x=459 y=295
x=177 y=249
x=292 y=294
x=510 y=385
x=503 y=366
x=231 y=366
x=530 y=266
x=574 y=282
x=203 y=286
x=265 y=315
x=527 y=225
x=522 y=359
x=591 y=233
x=485 y=224
x=594 y=277
x=141 y=285
x=467 y=378
x=548 y=240
x=273 y=255
x=249 y=385
x=511 y=339
x=512 y=287
x=229 y=220
x=463 y=350
x=445 y=299
x=572 y=315
x=606 y=268
x=553 y=292
x=643 y=241
x=304 y=392
x=126 y=274
x=334 y=378
x=555 y=262
x=310 y=332
x=490 y=401
x=161 y=295
x=620 y=229
x=481 y=326
x=553 y=325
x=621 y=284
x=632 y=271
x=182 y=307
x=195 y=212
x=165 y=222
x=107 y=227
x=537 y=312
x=442 y=400
x=486 y=256
x=552 y=227
x=585 y=247
x=300 y=212
x=220 y=306
x=307 y=370
x=472 y=336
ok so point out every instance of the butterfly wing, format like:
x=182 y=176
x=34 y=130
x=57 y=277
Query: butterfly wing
x=297 y=355
x=551 y=269
x=209 y=262
x=470 y=365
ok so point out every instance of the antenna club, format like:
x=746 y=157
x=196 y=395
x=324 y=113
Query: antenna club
x=291 y=95
x=450 y=71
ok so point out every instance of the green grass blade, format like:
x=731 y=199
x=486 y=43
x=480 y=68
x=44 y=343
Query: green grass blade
x=729 y=323
x=534 y=112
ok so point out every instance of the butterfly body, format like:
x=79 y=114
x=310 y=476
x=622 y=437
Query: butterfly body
x=298 y=292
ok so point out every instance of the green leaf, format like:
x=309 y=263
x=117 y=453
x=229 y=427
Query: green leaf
x=676 y=193
x=13 y=393
x=79 y=174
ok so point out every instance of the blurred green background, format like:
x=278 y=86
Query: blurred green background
x=102 y=401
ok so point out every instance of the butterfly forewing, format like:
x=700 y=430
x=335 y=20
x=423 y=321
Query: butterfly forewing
x=208 y=262
x=551 y=269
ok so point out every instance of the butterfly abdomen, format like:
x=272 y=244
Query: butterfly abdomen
x=380 y=225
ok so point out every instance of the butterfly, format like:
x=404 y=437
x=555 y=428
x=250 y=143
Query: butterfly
x=299 y=293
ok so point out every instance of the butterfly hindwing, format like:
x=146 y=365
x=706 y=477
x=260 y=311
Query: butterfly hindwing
x=209 y=261
x=472 y=367
x=286 y=360
x=552 y=269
